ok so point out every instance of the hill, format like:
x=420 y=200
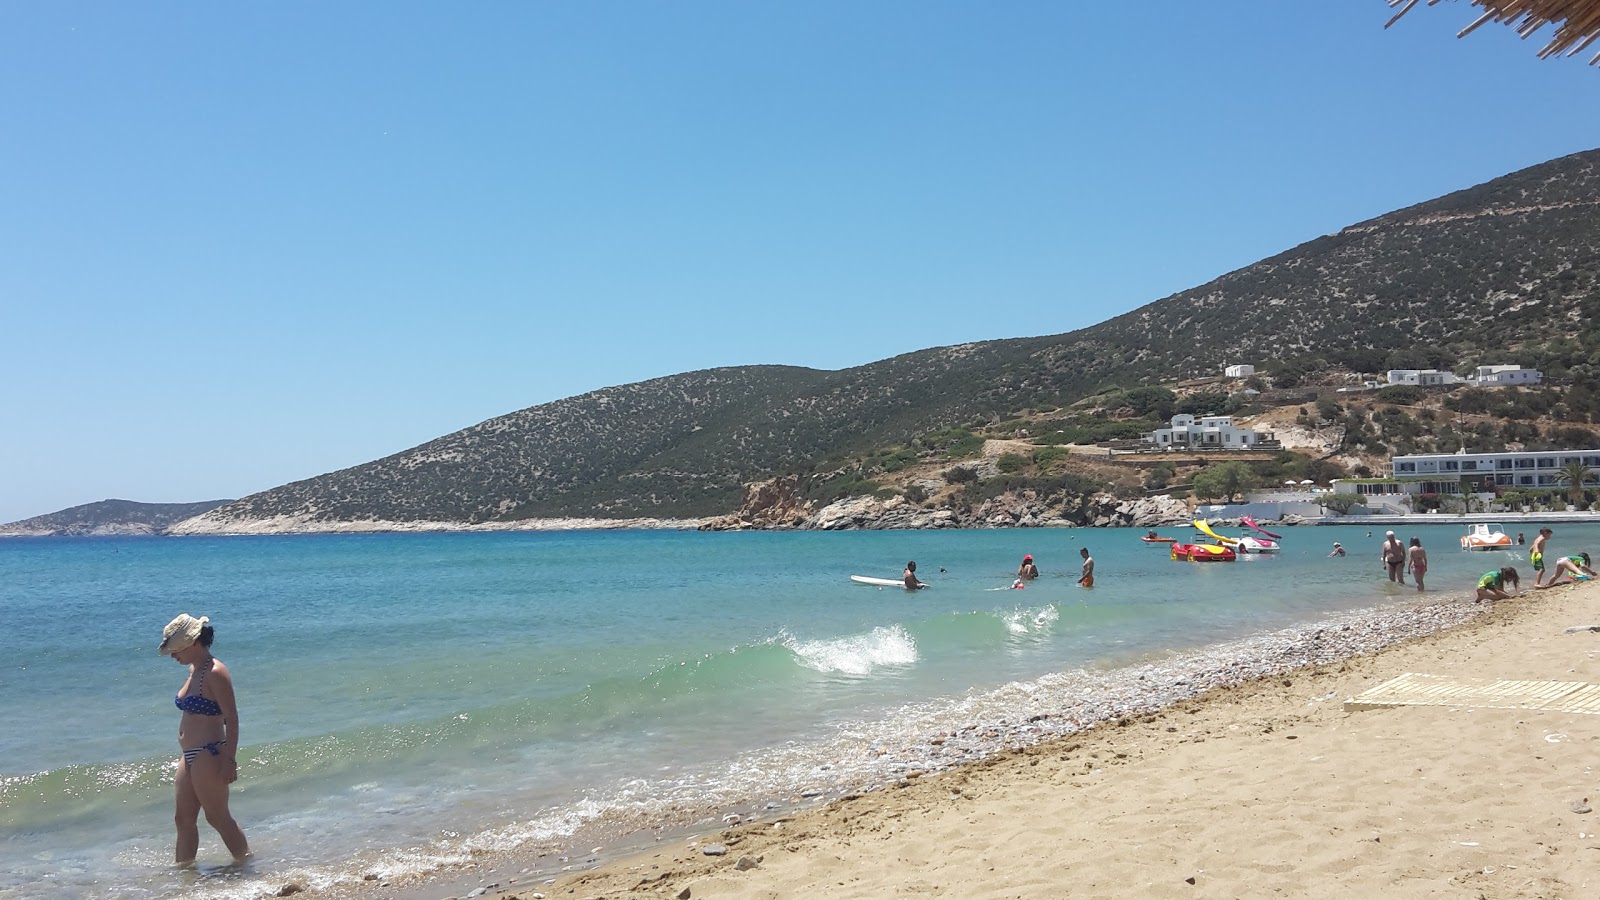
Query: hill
x=108 y=517
x=1502 y=272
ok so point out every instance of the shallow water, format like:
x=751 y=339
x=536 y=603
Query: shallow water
x=407 y=698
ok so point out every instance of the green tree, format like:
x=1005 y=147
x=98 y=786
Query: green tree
x=1237 y=477
x=1573 y=475
x=1225 y=480
x=1206 y=486
x=1341 y=503
x=1204 y=403
x=1152 y=401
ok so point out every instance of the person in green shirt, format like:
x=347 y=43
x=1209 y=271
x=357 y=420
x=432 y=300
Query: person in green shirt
x=1492 y=586
x=1575 y=567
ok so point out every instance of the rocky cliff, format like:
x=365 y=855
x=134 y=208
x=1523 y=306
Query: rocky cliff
x=776 y=504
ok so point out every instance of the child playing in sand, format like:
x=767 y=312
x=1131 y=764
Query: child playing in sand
x=1492 y=586
x=1575 y=568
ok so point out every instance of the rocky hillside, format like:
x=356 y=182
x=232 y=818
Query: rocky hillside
x=109 y=517
x=1502 y=272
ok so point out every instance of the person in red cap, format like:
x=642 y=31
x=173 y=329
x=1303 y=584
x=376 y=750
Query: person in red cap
x=1027 y=571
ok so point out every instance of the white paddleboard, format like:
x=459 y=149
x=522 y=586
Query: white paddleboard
x=880 y=582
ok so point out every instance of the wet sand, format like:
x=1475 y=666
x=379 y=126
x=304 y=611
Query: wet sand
x=1270 y=788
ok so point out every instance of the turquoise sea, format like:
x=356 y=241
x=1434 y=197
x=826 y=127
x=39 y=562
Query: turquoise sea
x=410 y=699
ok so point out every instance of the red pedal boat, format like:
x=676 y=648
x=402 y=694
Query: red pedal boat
x=1202 y=553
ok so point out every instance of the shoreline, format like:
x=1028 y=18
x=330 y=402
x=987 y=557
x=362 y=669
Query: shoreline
x=1216 y=679
x=296 y=526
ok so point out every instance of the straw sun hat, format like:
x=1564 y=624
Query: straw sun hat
x=180 y=633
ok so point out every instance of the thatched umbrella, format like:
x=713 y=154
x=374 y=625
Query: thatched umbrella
x=1578 y=21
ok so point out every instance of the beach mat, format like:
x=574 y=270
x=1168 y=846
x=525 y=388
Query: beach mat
x=1413 y=689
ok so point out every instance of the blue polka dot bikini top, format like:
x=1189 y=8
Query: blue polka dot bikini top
x=195 y=703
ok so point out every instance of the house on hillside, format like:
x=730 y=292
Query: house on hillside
x=1422 y=377
x=1500 y=376
x=1238 y=371
x=1208 y=433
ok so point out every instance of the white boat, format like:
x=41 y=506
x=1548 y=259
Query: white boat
x=1484 y=536
x=1246 y=544
x=1249 y=544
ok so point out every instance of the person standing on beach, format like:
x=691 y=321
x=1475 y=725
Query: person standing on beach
x=913 y=583
x=1536 y=554
x=1417 y=561
x=208 y=735
x=1087 y=578
x=1394 y=557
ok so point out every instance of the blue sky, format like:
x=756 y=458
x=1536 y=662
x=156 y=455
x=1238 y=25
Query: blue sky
x=245 y=245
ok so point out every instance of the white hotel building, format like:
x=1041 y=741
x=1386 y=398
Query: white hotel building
x=1445 y=473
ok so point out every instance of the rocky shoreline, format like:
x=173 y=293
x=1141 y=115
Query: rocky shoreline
x=307 y=525
x=774 y=505
x=777 y=504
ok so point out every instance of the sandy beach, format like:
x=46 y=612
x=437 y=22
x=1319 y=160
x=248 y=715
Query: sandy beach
x=1271 y=788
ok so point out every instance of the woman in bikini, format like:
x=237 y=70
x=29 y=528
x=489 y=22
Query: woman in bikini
x=208 y=734
x=1417 y=561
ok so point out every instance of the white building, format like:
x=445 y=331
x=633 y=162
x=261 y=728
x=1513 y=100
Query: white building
x=1499 y=376
x=1238 y=371
x=1422 y=377
x=1209 y=433
x=1451 y=473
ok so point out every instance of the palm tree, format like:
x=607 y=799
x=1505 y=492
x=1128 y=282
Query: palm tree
x=1573 y=474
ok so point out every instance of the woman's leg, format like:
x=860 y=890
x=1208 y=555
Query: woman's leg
x=205 y=774
x=1417 y=575
x=186 y=816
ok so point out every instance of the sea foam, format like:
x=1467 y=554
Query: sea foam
x=857 y=654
